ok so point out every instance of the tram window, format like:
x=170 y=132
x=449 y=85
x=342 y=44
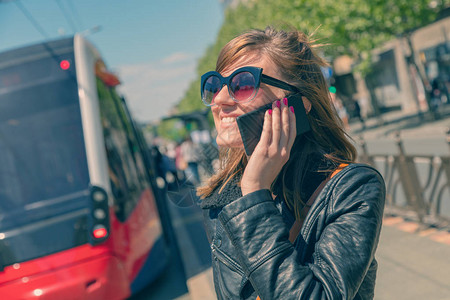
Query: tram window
x=124 y=177
x=133 y=143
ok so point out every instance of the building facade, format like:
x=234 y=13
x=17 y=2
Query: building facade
x=403 y=73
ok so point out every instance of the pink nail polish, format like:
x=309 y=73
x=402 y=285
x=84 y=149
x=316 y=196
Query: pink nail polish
x=278 y=103
x=270 y=112
x=285 y=101
x=292 y=109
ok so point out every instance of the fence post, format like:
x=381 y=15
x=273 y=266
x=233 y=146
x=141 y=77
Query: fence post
x=446 y=166
x=448 y=136
x=410 y=180
x=365 y=157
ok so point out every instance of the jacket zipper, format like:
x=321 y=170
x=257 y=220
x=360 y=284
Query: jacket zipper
x=226 y=260
x=219 y=279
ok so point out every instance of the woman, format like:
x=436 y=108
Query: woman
x=255 y=206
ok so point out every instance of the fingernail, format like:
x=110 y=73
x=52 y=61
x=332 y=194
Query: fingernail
x=285 y=101
x=278 y=103
x=270 y=112
x=292 y=109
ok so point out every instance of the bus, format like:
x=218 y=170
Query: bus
x=80 y=213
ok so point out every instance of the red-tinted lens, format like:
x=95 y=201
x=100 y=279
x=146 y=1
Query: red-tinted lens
x=243 y=86
x=211 y=87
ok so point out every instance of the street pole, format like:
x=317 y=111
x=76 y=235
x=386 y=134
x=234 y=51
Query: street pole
x=412 y=62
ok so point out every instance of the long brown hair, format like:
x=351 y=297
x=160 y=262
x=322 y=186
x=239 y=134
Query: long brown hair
x=298 y=64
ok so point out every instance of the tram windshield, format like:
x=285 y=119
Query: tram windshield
x=43 y=167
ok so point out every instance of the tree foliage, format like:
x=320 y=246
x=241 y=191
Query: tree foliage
x=173 y=130
x=351 y=27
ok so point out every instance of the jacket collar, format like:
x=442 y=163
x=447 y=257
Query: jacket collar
x=229 y=193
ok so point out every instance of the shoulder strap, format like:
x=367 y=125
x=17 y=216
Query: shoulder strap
x=295 y=229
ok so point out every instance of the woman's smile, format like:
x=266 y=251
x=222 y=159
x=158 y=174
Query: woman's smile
x=228 y=120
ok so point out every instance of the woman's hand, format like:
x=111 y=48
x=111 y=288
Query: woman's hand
x=273 y=149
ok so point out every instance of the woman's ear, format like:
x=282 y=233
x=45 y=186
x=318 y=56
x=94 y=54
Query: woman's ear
x=307 y=104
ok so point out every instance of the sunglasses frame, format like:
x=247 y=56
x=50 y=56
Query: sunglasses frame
x=259 y=77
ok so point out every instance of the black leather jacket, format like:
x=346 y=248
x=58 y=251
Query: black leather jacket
x=332 y=258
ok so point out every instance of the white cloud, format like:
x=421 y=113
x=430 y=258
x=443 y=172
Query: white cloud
x=176 y=57
x=153 y=88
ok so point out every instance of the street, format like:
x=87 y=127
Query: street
x=189 y=262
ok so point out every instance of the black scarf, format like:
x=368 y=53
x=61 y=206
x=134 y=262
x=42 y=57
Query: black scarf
x=229 y=193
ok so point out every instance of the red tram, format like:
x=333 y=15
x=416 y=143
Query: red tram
x=79 y=215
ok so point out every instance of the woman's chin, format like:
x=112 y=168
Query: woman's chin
x=229 y=142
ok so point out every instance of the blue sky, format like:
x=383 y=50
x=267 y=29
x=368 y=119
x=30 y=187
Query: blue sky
x=153 y=45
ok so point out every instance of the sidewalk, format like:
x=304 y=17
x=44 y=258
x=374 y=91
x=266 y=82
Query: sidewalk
x=412 y=265
x=410 y=125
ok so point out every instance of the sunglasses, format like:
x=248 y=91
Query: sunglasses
x=243 y=84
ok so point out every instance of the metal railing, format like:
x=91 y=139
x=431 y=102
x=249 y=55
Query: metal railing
x=417 y=185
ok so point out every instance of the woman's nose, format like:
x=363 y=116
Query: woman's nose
x=223 y=97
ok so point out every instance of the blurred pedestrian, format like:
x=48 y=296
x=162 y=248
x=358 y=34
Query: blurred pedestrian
x=357 y=112
x=191 y=156
x=180 y=163
x=165 y=166
x=340 y=109
x=298 y=219
x=435 y=98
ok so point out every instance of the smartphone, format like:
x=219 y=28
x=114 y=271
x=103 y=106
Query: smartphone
x=251 y=124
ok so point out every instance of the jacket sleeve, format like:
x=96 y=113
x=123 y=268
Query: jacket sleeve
x=344 y=250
